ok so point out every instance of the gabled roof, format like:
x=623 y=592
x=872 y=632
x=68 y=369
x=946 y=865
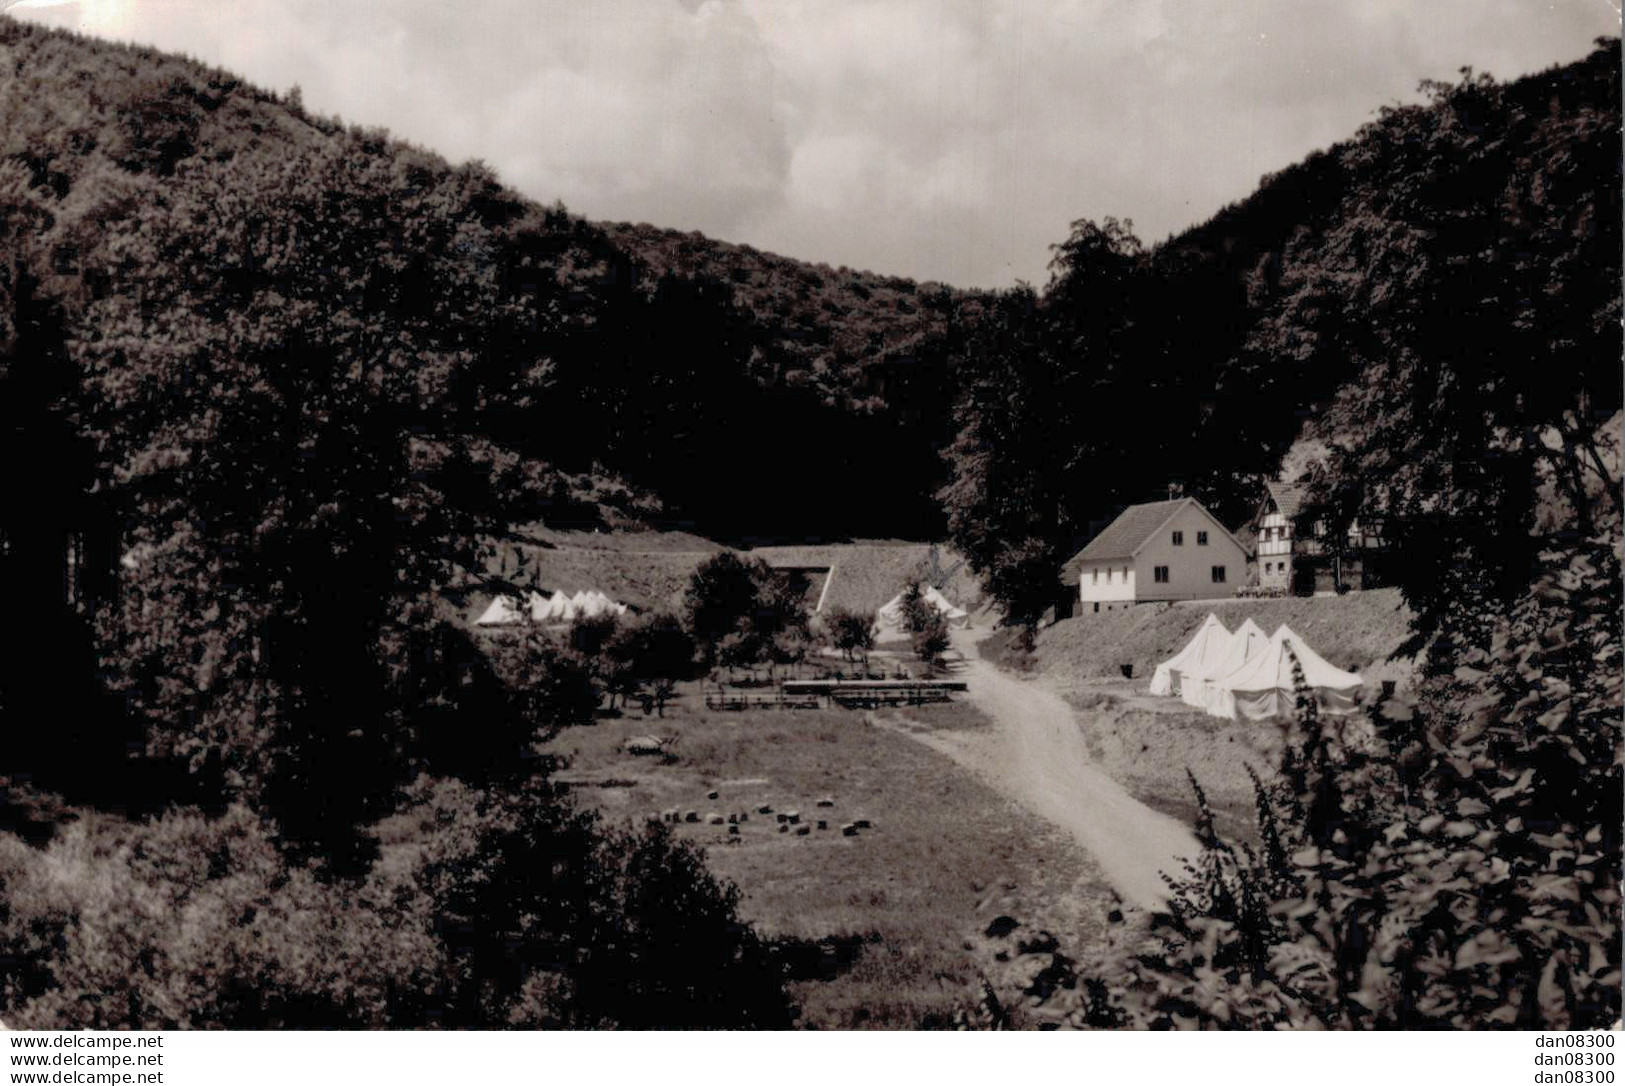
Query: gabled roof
x=1133 y=526
x=1132 y=529
x=1288 y=497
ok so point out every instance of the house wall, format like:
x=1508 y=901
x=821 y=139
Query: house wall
x=1189 y=563
x=1275 y=552
x=1111 y=590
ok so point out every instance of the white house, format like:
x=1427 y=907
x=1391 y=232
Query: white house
x=1172 y=550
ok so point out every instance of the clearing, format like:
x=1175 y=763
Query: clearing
x=885 y=928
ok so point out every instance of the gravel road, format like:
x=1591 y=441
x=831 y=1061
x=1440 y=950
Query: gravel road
x=1036 y=755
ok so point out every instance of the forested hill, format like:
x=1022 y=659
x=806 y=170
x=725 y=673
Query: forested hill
x=1496 y=199
x=1457 y=259
x=635 y=372
x=842 y=332
x=631 y=371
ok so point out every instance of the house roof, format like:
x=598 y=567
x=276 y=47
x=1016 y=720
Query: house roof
x=1288 y=497
x=1132 y=529
x=1125 y=535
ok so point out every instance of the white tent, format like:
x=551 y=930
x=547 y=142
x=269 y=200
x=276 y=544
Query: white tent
x=539 y=605
x=889 y=619
x=584 y=604
x=558 y=609
x=1209 y=643
x=956 y=616
x=1262 y=688
x=1245 y=642
x=504 y=611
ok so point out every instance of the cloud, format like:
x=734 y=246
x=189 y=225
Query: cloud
x=943 y=139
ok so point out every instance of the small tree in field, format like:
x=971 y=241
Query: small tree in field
x=931 y=640
x=917 y=611
x=738 y=609
x=853 y=634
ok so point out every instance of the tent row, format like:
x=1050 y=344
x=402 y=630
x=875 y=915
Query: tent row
x=510 y=610
x=1245 y=674
x=889 y=619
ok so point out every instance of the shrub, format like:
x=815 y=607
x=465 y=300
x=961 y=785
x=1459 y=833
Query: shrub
x=852 y=633
x=931 y=640
x=485 y=908
x=1452 y=862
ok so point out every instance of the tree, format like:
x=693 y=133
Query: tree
x=913 y=608
x=931 y=640
x=1052 y=391
x=653 y=652
x=852 y=633
x=738 y=609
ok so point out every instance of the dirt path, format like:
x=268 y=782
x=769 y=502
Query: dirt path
x=1036 y=755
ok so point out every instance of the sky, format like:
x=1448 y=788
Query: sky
x=949 y=140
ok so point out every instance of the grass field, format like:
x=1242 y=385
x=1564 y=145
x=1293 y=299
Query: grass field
x=900 y=909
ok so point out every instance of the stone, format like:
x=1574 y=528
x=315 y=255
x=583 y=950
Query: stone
x=1001 y=926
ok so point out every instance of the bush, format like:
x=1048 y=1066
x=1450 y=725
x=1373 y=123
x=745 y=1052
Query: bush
x=485 y=908
x=1452 y=862
x=931 y=640
x=852 y=633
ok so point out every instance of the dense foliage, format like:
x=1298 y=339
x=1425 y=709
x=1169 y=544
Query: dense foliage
x=742 y=613
x=851 y=632
x=281 y=381
x=486 y=909
x=270 y=383
x=1386 y=289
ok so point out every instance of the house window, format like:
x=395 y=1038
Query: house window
x=1218 y=575
x=1179 y=539
x=1160 y=574
x=1201 y=539
x=1125 y=575
x=1097 y=608
x=1096 y=576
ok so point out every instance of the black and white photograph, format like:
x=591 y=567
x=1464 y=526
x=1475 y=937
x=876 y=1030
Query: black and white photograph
x=738 y=515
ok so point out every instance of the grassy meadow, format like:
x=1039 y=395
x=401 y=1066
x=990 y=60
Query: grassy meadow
x=890 y=922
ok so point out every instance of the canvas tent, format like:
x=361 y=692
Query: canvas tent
x=1262 y=688
x=560 y=608
x=889 y=619
x=583 y=604
x=504 y=611
x=1208 y=644
x=1245 y=643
